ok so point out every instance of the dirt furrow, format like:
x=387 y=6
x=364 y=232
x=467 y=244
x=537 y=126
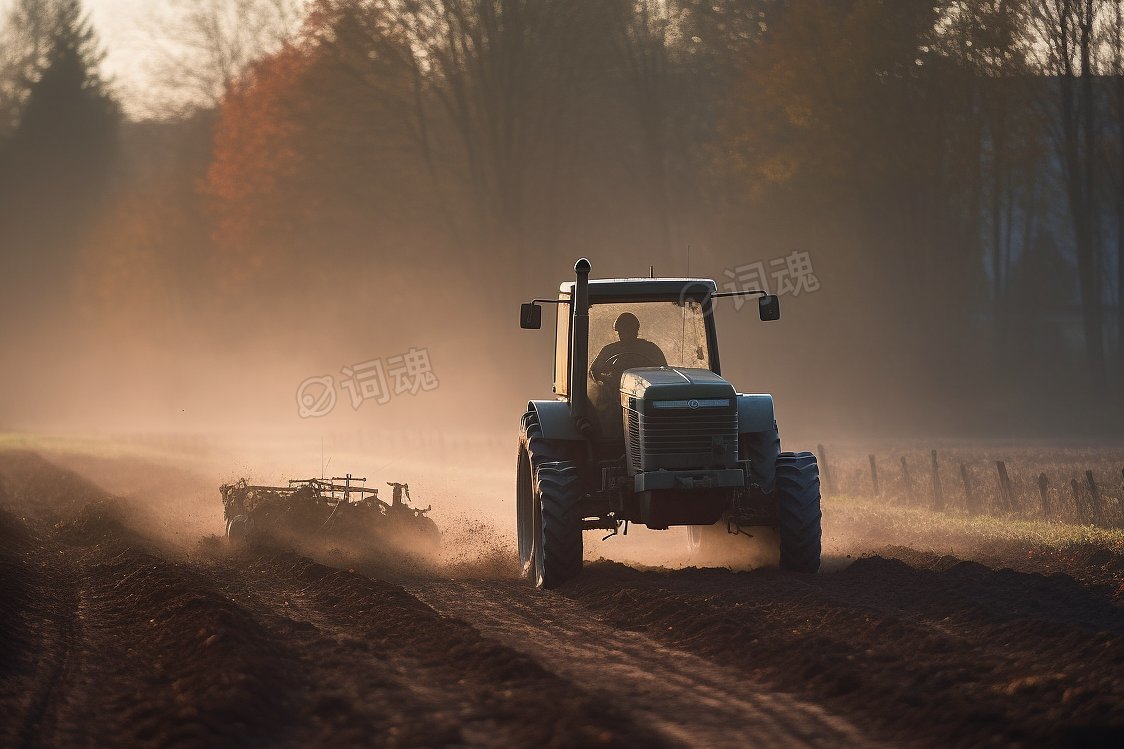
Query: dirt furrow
x=245 y=649
x=108 y=638
x=118 y=645
x=432 y=679
x=691 y=701
x=58 y=657
x=963 y=655
x=37 y=633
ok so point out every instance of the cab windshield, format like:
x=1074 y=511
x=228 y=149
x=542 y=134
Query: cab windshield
x=677 y=330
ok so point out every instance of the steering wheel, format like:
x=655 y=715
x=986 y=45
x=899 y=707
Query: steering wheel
x=615 y=366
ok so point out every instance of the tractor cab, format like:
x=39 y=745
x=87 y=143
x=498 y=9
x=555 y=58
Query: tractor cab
x=633 y=324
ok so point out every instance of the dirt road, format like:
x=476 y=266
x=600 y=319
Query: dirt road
x=111 y=637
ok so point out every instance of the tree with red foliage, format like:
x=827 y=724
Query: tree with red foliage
x=258 y=162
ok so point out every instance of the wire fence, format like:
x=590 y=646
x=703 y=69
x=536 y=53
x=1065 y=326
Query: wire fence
x=1085 y=487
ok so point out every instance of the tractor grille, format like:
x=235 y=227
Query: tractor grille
x=682 y=440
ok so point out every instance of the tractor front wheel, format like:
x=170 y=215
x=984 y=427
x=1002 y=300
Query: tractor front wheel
x=557 y=525
x=535 y=454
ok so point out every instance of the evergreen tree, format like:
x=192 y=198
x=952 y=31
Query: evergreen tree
x=55 y=166
x=69 y=120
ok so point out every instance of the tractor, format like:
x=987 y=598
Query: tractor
x=649 y=432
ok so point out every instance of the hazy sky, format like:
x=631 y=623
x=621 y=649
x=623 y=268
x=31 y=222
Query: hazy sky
x=123 y=27
x=145 y=52
x=126 y=30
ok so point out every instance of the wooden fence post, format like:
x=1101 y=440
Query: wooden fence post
x=1006 y=497
x=874 y=476
x=907 y=482
x=1044 y=492
x=938 y=495
x=825 y=473
x=969 y=498
x=1095 y=497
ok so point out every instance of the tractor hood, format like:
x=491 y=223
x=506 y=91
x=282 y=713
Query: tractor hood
x=664 y=389
x=678 y=420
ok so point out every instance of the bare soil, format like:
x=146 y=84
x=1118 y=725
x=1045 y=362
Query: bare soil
x=110 y=636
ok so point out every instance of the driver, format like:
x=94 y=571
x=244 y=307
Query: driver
x=631 y=350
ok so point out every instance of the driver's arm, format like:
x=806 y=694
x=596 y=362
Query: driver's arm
x=597 y=369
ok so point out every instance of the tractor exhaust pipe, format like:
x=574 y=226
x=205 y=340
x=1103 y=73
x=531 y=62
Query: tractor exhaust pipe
x=579 y=353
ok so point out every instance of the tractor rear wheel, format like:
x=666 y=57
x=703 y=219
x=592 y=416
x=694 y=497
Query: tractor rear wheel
x=558 y=524
x=798 y=500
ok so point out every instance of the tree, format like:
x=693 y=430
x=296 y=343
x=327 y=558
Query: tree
x=319 y=140
x=851 y=109
x=1115 y=32
x=68 y=123
x=987 y=38
x=899 y=136
x=259 y=156
x=507 y=74
x=24 y=41
x=61 y=150
x=663 y=55
x=207 y=44
x=56 y=164
x=482 y=96
x=1066 y=30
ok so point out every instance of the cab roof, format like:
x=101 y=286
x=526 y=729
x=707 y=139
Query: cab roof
x=650 y=289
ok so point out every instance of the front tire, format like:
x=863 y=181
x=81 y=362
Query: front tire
x=798 y=500
x=535 y=452
x=761 y=449
x=558 y=526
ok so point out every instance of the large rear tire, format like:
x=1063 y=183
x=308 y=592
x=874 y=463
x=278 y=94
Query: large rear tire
x=558 y=526
x=798 y=500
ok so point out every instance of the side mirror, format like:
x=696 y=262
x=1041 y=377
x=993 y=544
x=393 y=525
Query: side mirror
x=770 y=307
x=530 y=316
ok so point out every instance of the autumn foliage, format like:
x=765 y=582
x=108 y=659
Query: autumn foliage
x=259 y=158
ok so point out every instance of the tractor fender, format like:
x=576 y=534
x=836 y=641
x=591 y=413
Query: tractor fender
x=755 y=413
x=555 y=419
